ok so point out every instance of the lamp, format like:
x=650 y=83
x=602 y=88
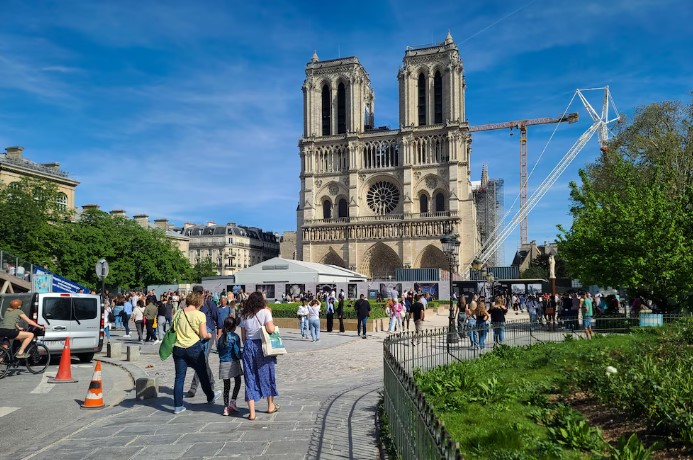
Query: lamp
x=451 y=247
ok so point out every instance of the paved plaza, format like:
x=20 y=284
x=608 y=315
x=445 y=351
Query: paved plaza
x=328 y=396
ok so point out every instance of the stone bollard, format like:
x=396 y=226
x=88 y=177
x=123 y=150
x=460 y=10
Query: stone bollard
x=146 y=388
x=114 y=350
x=133 y=353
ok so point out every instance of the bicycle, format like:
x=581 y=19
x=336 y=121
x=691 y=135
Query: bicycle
x=36 y=362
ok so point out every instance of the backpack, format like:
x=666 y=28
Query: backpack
x=111 y=317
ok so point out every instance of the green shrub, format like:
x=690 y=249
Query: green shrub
x=288 y=310
x=631 y=449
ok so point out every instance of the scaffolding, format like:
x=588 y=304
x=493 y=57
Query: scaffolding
x=488 y=200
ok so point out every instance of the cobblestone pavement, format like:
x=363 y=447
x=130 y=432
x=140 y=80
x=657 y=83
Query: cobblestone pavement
x=328 y=396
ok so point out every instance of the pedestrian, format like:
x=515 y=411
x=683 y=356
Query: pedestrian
x=461 y=316
x=229 y=347
x=107 y=316
x=408 y=302
x=302 y=314
x=161 y=319
x=314 y=320
x=168 y=313
x=329 y=313
x=587 y=312
x=258 y=369
x=138 y=318
x=363 y=310
x=396 y=320
x=418 y=313
x=191 y=328
x=340 y=311
x=497 y=312
x=125 y=315
x=150 y=313
x=117 y=311
x=209 y=309
x=482 y=317
x=531 y=304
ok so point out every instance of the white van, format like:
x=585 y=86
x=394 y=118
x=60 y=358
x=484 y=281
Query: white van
x=77 y=316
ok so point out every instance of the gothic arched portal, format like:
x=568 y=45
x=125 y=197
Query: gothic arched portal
x=332 y=258
x=432 y=257
x=380 y=261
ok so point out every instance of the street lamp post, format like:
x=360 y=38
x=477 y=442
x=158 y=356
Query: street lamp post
x=451 y=246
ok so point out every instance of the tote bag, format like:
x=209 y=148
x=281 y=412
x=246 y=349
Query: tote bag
x=272 y=344
x=169 y=340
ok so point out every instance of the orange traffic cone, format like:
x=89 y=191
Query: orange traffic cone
x=65 y=369
x=94 y=399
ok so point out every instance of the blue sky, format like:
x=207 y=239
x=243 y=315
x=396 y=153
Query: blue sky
x=192 y=111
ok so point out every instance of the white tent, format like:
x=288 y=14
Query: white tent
x=277 y=276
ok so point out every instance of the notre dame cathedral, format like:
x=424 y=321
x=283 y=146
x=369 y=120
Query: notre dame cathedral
x=374 y=199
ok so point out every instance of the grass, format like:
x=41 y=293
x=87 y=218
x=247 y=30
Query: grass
x=509 y=403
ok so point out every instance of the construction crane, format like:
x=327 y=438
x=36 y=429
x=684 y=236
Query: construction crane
x=600 y=126
x=522 y=126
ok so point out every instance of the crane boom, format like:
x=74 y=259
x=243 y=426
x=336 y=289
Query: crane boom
x=570 y=118
x=522 y=126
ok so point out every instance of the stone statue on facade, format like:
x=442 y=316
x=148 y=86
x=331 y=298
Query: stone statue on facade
x=552 y=267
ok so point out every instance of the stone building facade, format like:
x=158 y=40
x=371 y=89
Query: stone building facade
x=14 y=166
x=231 y=247
x=375 y=200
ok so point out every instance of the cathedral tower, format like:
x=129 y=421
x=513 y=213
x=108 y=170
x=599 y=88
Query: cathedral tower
x=375 y=200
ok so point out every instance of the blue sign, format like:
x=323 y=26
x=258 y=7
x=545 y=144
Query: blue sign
x=60 y=284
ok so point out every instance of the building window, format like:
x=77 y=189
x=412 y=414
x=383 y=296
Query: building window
x=341 y=109
x=61 y=201
x=382 y=197
x=422 y=99
x=438 y=98
x=326 y=209
x=423 y=203
x=326 y=109
x=343 y=208
x=440 y=202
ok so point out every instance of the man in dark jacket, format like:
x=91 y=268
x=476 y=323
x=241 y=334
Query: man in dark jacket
x=363 y=310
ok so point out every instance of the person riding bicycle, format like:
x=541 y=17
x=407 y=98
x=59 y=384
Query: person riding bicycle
x=10 y=330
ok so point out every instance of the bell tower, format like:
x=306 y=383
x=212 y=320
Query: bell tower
x=431 y=85
x=337 y=98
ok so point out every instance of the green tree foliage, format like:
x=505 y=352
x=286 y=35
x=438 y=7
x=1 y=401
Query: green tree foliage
x=203 y=268
x=633 y=213
x=33 y=226
x=535 y=272
x=30 y=220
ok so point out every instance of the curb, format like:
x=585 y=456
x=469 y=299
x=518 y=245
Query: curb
x=146 y=387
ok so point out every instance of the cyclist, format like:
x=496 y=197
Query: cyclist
x=10 y=330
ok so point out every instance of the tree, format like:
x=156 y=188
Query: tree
x=203 y=268
x=539 y=268
x=633 y=213
x=534 y=272
x=31 y=220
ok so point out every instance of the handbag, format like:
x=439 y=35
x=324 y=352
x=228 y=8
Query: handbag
x=169 y=340
x=272 y=344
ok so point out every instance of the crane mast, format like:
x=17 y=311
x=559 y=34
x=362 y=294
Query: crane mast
x=522 y=126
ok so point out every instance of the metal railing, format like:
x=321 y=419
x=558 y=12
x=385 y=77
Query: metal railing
x=385 y=217
x=13 y=265
x=415 y=429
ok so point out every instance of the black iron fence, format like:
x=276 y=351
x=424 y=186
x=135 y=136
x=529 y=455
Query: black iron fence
x=415 y=429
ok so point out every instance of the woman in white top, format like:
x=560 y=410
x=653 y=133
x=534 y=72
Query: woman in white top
x=314 y=320
x=258 y=369
x=138 y=318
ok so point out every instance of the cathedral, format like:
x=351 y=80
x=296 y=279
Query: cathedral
x=375 y=199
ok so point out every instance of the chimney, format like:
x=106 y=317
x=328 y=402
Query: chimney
x=90 y=207
x=118 y=213
x=142 y=220
x=54 y=166
x=162 y=224
x=188 y=225
x=211 y=224
x=231 y=224
x=14 y=153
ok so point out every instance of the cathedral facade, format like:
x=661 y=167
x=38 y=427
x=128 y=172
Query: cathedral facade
x=374 y=199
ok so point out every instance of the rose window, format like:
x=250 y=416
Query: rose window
x=382 y=197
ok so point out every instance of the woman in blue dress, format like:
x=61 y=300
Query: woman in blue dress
x=258 y=370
